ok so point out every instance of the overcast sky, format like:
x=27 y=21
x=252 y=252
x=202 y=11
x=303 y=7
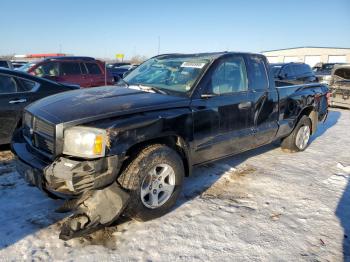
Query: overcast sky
x=103 y=28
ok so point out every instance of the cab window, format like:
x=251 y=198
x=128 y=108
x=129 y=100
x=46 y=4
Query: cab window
x=229 y=77
x=258 y=78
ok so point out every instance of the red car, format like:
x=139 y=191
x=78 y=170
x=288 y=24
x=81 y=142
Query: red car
x=82 y=71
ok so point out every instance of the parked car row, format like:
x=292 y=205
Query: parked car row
x=293 y=74
x=117 y=64
x=120 y=70
x=83 y=71
x=126 y=150
x=323 y=71
x=11 y=64
x=17 y=64
x=37 y=79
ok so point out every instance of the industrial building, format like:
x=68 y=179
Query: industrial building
x=309 y=55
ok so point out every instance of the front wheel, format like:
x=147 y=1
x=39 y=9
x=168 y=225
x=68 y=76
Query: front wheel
x=299 y=138
x=154 y=179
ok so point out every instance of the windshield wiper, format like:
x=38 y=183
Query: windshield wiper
x=146 y=88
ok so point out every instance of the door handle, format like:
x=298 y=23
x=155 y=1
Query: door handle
x=245 y=105
x=18 y=101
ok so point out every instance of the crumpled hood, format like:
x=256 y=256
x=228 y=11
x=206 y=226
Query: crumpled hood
x=85 y=105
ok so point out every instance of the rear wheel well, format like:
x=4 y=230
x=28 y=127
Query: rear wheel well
x=312 y=114
x=174 y=142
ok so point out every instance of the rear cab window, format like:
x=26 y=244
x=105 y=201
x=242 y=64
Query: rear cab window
x=258 y=78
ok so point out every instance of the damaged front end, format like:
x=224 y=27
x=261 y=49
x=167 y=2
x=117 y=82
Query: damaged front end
x=68 y=177
x=96 y=206
x=89 y=187
x=94 y=210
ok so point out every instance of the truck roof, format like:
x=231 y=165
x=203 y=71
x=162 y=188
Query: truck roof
x=211 y=56
x=289 y=63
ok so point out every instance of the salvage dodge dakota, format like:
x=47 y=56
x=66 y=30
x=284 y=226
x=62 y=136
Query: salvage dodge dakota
x=126 y=149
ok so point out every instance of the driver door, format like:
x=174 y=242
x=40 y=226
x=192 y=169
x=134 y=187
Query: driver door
x=222 y=125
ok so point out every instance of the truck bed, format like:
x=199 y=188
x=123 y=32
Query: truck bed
x=292 y=98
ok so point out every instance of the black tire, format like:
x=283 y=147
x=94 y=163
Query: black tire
x=134 y=174
x=289 y=143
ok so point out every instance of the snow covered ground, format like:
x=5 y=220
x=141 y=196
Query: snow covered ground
x=262 y=205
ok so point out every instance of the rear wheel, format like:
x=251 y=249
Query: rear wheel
x=154 y=179
x=298 y=140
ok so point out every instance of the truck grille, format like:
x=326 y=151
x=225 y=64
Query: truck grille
x=39 y=134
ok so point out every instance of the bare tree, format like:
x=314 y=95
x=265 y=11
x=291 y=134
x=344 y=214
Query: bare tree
x=7 y=57
x=137 y=59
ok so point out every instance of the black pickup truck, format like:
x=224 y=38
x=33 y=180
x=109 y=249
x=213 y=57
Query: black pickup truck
x=126 y=149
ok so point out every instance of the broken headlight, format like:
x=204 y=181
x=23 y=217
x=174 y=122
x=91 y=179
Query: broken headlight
x=85 y=142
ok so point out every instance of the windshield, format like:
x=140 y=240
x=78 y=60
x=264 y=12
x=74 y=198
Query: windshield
x=168 y=74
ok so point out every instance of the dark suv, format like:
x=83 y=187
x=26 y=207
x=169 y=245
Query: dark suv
x=293 y=73
x=83 y=71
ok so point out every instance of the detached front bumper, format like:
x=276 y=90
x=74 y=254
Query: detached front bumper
x=64 y=177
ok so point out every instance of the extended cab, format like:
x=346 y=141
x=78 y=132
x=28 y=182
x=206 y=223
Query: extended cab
x=131 y=146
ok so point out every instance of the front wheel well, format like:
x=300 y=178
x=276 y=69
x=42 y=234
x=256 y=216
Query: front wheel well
x=173 y=141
